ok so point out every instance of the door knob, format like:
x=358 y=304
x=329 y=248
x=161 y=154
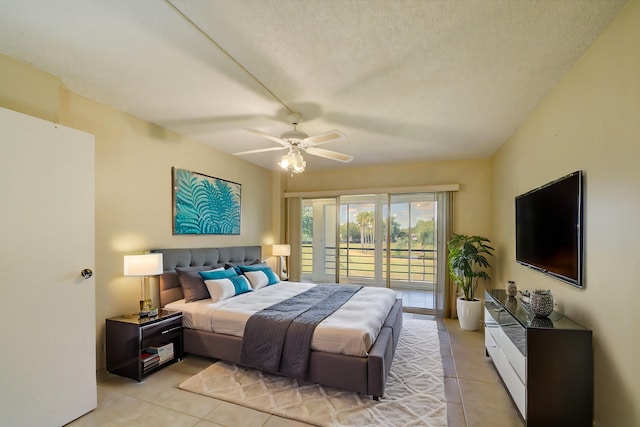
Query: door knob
x=86 y=273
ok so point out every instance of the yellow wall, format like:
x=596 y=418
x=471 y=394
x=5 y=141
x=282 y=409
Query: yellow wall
x=28 y=90
x=591 y=121
x=133 y=184
x=471 y=203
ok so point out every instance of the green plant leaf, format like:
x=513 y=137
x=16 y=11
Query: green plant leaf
x=466 y=259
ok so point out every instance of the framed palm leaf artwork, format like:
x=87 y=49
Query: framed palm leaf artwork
x=203 y=204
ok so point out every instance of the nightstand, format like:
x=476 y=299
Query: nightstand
x=137 y=347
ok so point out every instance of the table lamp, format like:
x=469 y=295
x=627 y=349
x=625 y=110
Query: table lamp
x=143 y=266
x=282 y=251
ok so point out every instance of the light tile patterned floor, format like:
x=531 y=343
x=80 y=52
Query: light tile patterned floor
x=474 y=392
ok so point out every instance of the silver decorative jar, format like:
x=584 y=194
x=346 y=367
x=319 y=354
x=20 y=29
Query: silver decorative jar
x=541 y=302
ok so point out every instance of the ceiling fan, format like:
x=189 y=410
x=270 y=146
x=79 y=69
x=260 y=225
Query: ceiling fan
x=296 y=141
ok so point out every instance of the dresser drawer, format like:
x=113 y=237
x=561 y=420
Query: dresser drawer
x=516 y=387
x=491 y=326
x=165 y=328
x=491 y=347
x=512 y=354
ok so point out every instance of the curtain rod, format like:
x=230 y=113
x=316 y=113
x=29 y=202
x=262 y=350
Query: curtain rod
x=375 y=190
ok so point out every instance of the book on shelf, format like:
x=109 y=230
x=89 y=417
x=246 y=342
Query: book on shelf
x=149 y=359
x=152 y=362
x=146 y=369
x=164 y=352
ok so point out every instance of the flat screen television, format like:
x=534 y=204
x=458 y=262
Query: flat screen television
x=549 y=233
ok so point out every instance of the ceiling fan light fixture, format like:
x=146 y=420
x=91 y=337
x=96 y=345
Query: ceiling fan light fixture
x=285 y=162
x=293 y=162
x=298 y=162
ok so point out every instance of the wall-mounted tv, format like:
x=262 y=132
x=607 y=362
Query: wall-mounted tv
x=549 y=234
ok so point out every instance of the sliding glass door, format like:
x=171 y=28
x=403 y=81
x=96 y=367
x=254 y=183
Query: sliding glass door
x=361 y=242
x=413 y=255
x=385 y=240
x=319 y=234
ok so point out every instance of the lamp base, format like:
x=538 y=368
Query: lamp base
x=283 y=269
x=145 y=308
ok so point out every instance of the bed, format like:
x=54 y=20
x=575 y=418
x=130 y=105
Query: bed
x=360 y=371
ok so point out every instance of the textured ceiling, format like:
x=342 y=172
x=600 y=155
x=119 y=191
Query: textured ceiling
x=406 y=81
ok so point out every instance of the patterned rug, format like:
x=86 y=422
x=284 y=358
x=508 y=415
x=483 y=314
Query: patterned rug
x=414 y=394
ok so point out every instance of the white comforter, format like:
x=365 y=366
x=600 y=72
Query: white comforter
x=350 y=330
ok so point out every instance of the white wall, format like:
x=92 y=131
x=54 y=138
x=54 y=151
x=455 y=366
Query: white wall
x=590 y=121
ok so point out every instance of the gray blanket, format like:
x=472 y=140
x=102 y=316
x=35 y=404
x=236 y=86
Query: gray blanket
x=278 y=338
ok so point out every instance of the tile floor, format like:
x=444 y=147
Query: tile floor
x=475 y=395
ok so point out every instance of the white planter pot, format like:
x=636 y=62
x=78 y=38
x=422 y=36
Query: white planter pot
x=469 y=314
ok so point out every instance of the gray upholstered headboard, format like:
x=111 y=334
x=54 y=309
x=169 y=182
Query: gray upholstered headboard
x=170 y=289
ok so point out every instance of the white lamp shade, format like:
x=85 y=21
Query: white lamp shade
x=281 y=250
x=143 y=265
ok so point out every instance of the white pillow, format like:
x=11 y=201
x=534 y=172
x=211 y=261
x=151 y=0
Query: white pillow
x=221 y=289
x=260 y=279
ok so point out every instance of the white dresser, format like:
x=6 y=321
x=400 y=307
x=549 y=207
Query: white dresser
x=546 y=364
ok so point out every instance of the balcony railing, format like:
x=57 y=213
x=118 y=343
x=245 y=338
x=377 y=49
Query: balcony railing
x=409 y=268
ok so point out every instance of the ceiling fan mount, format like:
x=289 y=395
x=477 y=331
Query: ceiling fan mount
x=294 y=137
x=294 y=141
x=294 y=118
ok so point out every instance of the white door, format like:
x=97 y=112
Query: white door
x=47 y=309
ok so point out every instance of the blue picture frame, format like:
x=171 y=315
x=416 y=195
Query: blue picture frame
x=203 y=204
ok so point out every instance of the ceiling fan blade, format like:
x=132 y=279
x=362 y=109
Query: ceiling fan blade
x=268 y=136
x=323 y=138
x=261 y=150
x=333 y=155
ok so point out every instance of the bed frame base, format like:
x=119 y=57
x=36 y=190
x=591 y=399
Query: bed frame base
x=365 y=375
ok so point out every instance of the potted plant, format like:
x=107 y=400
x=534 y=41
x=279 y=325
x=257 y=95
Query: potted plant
x=467 y=258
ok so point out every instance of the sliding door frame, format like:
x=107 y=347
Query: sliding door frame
x=442 y=298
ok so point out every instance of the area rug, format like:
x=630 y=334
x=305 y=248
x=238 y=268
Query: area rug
x=414 y=394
